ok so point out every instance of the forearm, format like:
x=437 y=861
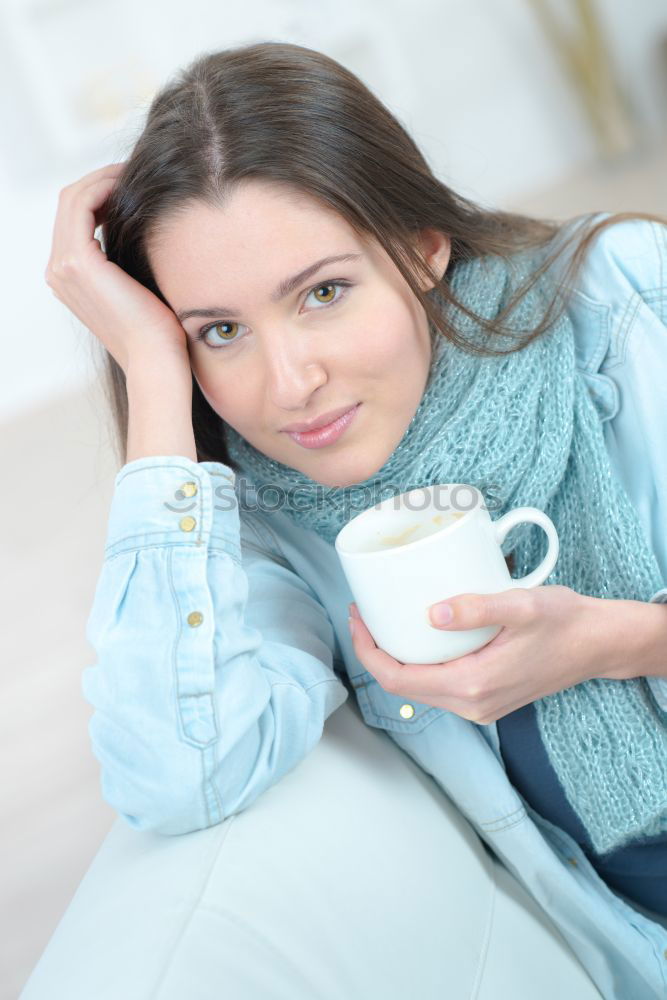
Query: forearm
x=214 y=672
x=631 y=637
x=160 y=412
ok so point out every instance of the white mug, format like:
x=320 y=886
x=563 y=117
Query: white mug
x=414 y=550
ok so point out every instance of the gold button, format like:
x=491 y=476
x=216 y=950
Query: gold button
x=406 y=711
x=573 y=862
x=187 y=523
x=665 y=953
x=189 y=489
x=195 y=618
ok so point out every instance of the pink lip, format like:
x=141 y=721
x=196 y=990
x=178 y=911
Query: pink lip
x=327 y=434
x=322 y=421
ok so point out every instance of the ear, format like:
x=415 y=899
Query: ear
x=435 y=248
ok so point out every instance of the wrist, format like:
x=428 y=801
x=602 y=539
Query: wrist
x=170 y=369
x=629 y=638
x=159 y=412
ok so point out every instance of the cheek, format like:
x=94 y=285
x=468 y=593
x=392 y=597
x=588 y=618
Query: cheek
x=394 y=333
x=391 y=352
x=373 y=342
x=234 y=402
x=211 y=392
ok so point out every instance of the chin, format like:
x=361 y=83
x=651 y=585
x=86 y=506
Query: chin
x=341 y=478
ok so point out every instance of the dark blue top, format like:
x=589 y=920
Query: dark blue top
x=638 y=870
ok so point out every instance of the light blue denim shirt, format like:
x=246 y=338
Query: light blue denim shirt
x=222 y=640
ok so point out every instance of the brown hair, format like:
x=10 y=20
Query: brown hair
x=284 y=113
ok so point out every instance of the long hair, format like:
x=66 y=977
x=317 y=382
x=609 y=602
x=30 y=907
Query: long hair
x=287 y=114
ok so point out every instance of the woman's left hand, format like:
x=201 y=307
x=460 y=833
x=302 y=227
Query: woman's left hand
x=551 y=638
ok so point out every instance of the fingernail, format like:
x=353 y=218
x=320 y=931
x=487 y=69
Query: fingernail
x=354 y=611
x=350 y=622
x=441 y=614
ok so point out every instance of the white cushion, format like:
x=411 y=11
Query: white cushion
x=353 y=877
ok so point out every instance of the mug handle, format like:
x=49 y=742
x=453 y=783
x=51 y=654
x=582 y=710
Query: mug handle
x=502 y=526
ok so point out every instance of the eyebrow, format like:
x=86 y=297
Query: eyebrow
x=282 y=291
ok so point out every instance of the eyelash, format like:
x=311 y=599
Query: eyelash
x=341 y=283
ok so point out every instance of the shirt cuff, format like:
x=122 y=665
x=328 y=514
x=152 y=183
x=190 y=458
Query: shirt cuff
x=658 y=685
x=173 y=500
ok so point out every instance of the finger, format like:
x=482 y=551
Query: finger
x=108 y=170
x=515 y=607
x=417 y=679
x=427 y=684
x=72 y=192
x=383 y=666
x=75 y=223
x=456 y=686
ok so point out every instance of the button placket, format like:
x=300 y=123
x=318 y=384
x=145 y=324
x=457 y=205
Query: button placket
x=194 y=680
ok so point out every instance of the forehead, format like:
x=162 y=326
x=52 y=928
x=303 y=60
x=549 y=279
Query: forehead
x=259 y=235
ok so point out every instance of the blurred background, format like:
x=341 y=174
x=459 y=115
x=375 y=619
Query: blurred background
x=552 y=108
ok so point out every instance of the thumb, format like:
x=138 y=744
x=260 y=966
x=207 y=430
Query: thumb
x=467 y=611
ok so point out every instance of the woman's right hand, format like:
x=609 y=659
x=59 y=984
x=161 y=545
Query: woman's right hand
x=130 y=321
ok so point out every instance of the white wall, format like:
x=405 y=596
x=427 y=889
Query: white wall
x=474 y=82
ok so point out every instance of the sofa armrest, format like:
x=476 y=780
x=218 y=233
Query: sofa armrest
x=353 y=877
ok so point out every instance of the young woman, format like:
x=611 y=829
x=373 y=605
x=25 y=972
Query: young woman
x=278 y=257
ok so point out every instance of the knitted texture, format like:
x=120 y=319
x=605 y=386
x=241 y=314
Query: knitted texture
x=525 y=422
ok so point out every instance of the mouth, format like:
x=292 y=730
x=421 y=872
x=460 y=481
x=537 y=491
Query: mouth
x=322 y=436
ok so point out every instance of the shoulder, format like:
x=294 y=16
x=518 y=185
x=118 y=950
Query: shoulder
x=626 y=270
x=618 y=309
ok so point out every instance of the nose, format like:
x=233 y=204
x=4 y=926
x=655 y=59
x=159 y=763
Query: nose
x=292 y=375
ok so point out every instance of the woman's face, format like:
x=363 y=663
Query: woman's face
x=273 y=356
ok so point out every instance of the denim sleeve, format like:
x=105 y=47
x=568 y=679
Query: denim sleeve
x=214 y=671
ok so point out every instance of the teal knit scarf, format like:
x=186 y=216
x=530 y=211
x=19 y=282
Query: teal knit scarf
x=525 y=422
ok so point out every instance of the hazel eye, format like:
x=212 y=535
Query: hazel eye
x=337 y=290
x=320 y=287
x=218 y=326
